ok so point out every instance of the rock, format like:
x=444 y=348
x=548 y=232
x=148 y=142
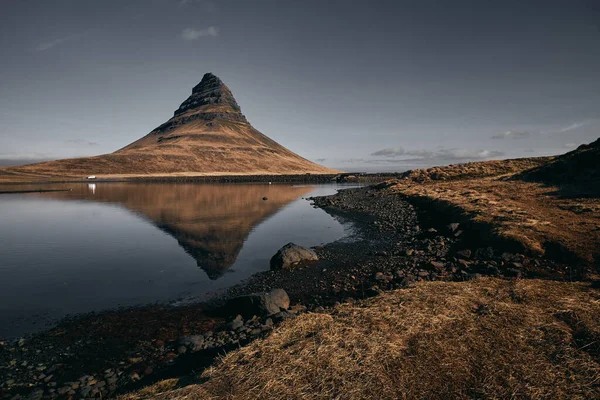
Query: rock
x=181 y=350
x=264 y=304
x=372 y=291
x=453 y=227
x=86 y=390
x=380 y=276
x=464 y=253
x=485 y=253
x=512 y=272
x=296 y=309
x=193 y=342
x=435 y=265
x=281 y=316
x=255 y=332
x=291 y=255
x=36 y=394
x=63 y=390
x=508 y=257
x=238 y=322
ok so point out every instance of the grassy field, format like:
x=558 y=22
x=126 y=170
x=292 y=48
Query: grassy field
x=486 y=338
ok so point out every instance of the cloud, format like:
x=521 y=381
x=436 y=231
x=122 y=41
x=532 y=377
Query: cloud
x=441 y=155
x=195 y=34
x=399 y=151
x=390 y=152
x=511 y=135
x=51 y=43
x=320 y=159
x=570 y=145
x=573 y=126
x=82 y=142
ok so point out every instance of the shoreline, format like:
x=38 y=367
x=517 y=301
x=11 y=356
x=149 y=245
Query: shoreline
x=397 y=245
x=297 y=178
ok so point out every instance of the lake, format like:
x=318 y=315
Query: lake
x=107 y=245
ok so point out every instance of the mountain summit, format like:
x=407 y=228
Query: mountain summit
x=207 y=135
x=210 y=91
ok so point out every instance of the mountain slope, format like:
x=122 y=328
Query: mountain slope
x=207 y=135
x=581 y=165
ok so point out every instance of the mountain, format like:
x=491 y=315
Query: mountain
x=207 y=135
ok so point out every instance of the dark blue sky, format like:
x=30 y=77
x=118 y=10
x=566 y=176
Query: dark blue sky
x=351 y=84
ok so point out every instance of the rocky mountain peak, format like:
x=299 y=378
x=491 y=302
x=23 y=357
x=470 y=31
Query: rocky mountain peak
x=210 y=91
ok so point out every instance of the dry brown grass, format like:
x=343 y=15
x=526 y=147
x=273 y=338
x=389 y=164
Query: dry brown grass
x=534 y=215
x=479 y=169
x=487 y=339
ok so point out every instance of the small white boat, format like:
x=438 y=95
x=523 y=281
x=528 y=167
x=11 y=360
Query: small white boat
x=91 y=177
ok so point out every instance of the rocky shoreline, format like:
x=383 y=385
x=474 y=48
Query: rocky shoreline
x=99 y=356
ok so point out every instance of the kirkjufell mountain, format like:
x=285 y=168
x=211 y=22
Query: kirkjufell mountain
x=207 y=135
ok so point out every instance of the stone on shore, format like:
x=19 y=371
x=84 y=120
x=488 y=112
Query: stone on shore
x=261 y=304
x=291 y=255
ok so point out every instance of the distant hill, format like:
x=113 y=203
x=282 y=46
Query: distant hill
x=577 y=166
x=207 y=135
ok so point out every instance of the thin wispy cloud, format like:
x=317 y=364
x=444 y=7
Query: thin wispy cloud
x=511 y=135
x=47 y=45
x=390 y=152
x=195 y=34
x=398 y=154
x=399 y=151
x=82 y=142
x=573 y=126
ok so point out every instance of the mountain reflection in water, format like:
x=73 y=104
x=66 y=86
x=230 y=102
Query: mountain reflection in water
x=210 y=221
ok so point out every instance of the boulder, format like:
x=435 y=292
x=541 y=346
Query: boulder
x=262 y=304
x=194 y=342
x=291 y=255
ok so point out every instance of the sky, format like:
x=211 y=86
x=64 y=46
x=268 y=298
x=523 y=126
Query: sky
x=355 y=85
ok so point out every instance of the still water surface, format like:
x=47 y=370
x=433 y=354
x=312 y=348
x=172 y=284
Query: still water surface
x=106 y=245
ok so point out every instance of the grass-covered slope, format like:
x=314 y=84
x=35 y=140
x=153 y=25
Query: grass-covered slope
x=486 y=339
